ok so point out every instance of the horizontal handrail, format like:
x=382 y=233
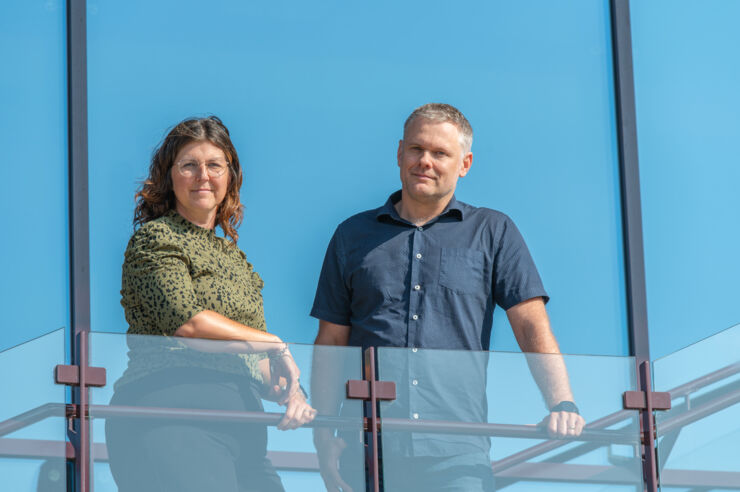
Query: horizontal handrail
x=503 y=430
x=434 y=426
x=702 y=406
x=266 y=418
x=32 y=416
x=700 y=382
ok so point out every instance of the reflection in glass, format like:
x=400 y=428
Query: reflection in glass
x=698 y=438
x=182 y=417
x=437 y=434
x=454 y=391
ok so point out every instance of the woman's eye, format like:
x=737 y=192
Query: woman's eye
x=188 y=166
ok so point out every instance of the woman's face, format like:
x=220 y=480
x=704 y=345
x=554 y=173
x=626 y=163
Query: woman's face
x=198 y=188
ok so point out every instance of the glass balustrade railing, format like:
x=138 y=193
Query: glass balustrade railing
x=699 y=438
x=33 y=424
x=178 y=409
x=183 y=412
x=472 y=420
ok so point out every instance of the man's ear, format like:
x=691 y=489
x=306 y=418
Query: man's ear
x=466 y=163
x=398 y=153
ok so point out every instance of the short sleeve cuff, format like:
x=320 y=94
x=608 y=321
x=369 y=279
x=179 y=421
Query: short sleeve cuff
x=331 y=317
x=517 y=297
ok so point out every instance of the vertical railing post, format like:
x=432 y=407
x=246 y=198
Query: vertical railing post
x=374 y=460
x=649 y=463
x=79 y=435
x=634 y=256
x=370 y=390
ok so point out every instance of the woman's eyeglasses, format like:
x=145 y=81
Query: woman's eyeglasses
x=188 y=168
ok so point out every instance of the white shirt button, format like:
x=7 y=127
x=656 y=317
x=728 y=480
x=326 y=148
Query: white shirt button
x=414 y=350
x=416 y=415
x=418 y=256
x=417 y=287
x=414 y=382
x=420 y=228
x=415 y=317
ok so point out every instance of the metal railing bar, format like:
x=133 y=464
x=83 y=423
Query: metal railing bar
x=36 y=448
x=503 y=430
x=701 y=407
x=32 y=416
x=266 y=418
x=711 y=378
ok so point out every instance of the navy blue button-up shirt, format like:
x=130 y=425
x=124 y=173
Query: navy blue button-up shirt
x=433 y=286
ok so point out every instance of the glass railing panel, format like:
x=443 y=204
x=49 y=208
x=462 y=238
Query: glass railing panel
x=698 y=438
x=470 y=419
x=188 y=414
x=33 y=426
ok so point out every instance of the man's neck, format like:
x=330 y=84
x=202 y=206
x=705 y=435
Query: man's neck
x=419 y=213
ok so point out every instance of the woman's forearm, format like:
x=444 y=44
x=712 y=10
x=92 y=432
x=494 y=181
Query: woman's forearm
x=213 y=326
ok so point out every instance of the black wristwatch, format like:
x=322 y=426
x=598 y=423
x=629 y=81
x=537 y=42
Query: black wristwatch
x=565 y=406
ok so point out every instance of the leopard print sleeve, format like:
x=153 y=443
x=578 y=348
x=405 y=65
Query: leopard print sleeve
x=157 y=289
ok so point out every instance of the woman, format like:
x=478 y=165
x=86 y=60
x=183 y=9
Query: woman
x=182 y=281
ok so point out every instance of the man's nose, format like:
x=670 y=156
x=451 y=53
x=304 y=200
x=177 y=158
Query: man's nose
x=425 y=159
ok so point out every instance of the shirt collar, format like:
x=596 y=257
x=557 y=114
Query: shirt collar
x=388 y=210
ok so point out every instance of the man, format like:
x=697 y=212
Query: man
x=426 y=270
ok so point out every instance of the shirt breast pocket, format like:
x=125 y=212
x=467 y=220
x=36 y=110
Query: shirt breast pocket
x=463 y=271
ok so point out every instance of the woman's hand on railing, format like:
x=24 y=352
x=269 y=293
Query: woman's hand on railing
x=297 y=412
x=284 y=375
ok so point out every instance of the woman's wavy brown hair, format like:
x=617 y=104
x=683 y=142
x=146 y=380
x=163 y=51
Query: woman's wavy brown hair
x=155 y=197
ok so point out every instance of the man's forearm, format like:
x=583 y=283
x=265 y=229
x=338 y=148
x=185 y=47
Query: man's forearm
x=532 y=330
x=326 y=374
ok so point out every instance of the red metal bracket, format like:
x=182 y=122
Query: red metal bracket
x=637 y=400
x=95 y=376
x=360 y=390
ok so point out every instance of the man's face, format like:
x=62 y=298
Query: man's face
x=431 y=160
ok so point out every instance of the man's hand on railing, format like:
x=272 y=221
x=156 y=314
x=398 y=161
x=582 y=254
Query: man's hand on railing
x=563 y=421
x=329 y=449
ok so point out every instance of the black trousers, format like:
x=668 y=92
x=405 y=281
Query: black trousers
x=169 y=454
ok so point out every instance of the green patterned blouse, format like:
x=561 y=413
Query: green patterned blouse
x=174 y=269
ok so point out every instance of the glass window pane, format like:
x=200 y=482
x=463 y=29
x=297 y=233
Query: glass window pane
x=33 y=98
x=686 y=78
x=697 y=438
x=33 y=447
x=182 y=412
x=316 y=95
x=468 y=418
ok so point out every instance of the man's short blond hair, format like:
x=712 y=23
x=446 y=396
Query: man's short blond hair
x=444 y=113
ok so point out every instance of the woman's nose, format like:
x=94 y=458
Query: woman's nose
x=202 y=172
